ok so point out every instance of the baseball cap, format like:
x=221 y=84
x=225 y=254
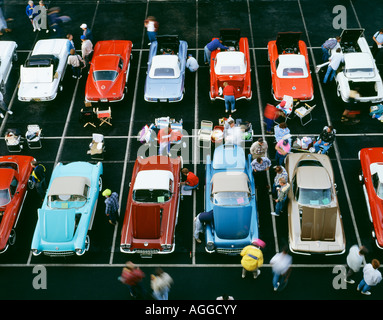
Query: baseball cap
x=82 y=37
x=107 y=192
x=259 y=243
x=84 y=26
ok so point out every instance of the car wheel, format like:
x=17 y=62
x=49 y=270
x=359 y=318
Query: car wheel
x=31 y=184
x=100 y=184
x=61 y=88
x=12 y=237
x=87 y=243
x=15 y=56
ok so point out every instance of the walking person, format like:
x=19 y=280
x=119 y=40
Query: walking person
x=283 y=192
x=355 y=259
x=229 y=96
x=164 y=139
x=371 y=277
x=40 y=17
x=29 y=12
x=132 y=276
x=252 y=258
x=281 y=268
x=39 y=178
x=111 y=205
x=75 y=61
x=151 y=26
x=160 y=283
x=260 y=167
x=3 y=107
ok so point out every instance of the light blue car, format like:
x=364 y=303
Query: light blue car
x=165 y=77
x=68 y=210
x=230 y=193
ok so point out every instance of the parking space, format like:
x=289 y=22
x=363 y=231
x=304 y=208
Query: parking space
x=65 y=139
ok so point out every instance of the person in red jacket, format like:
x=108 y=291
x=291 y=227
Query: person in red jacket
x=229 y=96
x=191 y=181
x=132 y=276
x=164 y=138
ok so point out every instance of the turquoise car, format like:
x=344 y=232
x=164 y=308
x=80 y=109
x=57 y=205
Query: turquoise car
x=230 y=193
x=68 y=210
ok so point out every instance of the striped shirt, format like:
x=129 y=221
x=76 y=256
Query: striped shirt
x=111 y=204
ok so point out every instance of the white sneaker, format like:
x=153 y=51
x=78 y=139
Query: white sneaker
x=10 y=112
x=273 y=213
x=1 y=115
x=367 y=293
x=350 y=281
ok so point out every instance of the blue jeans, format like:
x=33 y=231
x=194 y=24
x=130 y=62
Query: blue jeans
x=152 y=35
x=318 y=144
x=280 y=158
x=279 y=206
x=162 y=294
x=364 y=286
x=186 y=187
x=330 y=73
x=325 y=54
x=279 y=278
x=229 y=102
x=207 y=55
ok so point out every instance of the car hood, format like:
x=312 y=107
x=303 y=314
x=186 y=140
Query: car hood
x=57 y=225
x=103 y=88
x=232 y=222
x=146 y=221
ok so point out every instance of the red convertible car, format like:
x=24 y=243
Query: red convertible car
x=290 y=69
x=152 y=207
x=371 y=160
x=231 y=66
x=14 y=174
x=109 y=71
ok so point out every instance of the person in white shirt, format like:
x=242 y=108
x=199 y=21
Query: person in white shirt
x=378 y=42
x=86 y=49
x=355 y=259
x=281 y=267
x=335 y=60
x=191 y=63
x=371 y=277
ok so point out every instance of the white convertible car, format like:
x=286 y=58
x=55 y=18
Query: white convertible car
x=359 y=71
x=42 y=73
x=7 y=56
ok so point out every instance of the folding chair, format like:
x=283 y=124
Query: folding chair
x=33 y=136
x=13 y=140
x=88 y=117
x=204 y=134
x=105 y=116
x=305 y=112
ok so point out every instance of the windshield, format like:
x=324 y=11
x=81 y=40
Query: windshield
x=151 y=196
x=231 y=198
x=293 y=72
x=5 y=198
x=105 y=75
x=360 y=70
x=314 y=197
x=65 y=201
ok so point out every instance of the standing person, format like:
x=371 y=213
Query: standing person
x=355 y=259
x=281 y=267
x=327 y=46
x=378 y=42
x=371 y=277
x=151 y=26
x=70 y=43
x=86 y=49
x=280 y=172
x=163 y=137
x=29 y=12
x=283 y=147
x=210 y=47
x=86 y=32
x=229 y=96
x=132 y=276
x=283 y=191
x=258 y=149
x=260 y=167
x=252 y=258
x=39 y=178
x=335 y=61
x=326 y=139
x=160 y=283
x=111 y=205
x=74 y=60
x=192 y=64
x=3 y=107
x=281 y=130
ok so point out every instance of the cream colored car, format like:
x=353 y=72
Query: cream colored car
x=314 y=219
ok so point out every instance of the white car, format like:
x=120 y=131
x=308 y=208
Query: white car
x=7 y=56
x=359 y=71
x=42 y=73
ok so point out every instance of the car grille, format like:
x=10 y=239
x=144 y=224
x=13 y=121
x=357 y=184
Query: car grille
x=148 y=251
x=229 y=251
x=58 y=253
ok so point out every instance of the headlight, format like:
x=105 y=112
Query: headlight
x=210 y=246
x=166 y=246
x=35 y=252
x=125 y=246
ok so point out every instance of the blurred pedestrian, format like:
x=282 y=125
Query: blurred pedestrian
x=3 y=21
x=371 y=277
x=40 y=17
x=355 y=259
x=259 y=149
x=252 y=258
x=111 y=205
x=39 y=178
x=260 y=167
x=76 y=62
x=151 y=26
x=281 y=268
x=86 y=49
x=132 y=276
x=225 y=297
x=86 y=32
x=164 y=139
x=160 y=283
x=283 y=192
x=191 y=63
x=270 y=114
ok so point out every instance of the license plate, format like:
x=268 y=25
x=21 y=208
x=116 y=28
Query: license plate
x=163 y=100
x=37 y=100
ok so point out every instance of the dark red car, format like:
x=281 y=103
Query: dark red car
x=152 y=207
x=14 y=174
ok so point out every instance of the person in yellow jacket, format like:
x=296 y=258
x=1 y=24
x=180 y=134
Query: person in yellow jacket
x=252 y=258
